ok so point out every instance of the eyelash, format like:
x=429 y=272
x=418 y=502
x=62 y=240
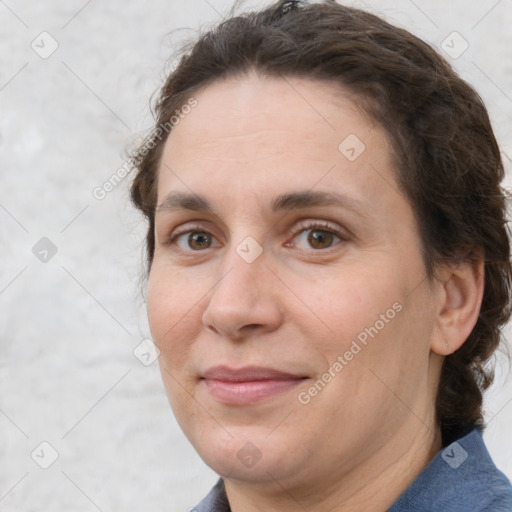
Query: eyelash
x=303 y=226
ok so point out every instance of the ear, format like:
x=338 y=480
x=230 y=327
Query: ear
x=460 y=298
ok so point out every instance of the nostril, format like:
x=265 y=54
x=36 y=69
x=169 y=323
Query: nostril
x=250 y=327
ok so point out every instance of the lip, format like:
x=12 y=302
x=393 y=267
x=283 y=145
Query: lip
x=248 y=385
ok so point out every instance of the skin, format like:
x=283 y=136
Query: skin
x=371 y=430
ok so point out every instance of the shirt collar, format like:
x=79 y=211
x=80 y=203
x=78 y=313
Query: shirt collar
x=215 y=501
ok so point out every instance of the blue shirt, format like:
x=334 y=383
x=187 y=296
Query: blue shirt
x=461 y=478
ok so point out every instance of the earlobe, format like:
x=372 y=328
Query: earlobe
x=462 y=288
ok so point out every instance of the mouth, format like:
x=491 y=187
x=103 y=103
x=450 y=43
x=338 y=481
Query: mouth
x=248 y=385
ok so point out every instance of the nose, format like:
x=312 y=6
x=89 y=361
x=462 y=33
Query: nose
x=244 y=302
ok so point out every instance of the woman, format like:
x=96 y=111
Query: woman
x=328 y=265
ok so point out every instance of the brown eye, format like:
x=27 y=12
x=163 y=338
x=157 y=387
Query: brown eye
x=319 y=239
x=198 y=240
x=192 y=240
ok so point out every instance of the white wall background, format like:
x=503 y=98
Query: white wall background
x=68 y=327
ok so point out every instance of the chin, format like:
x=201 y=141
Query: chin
x=249 y=455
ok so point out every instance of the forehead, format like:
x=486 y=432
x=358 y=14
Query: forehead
x=297 y=111
x=263 y=131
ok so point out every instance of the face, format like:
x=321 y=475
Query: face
x=287 y=293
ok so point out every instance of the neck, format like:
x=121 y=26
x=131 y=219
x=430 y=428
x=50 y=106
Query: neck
x=374 y=485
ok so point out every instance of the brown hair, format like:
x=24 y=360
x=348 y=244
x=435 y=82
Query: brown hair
x=448 y=162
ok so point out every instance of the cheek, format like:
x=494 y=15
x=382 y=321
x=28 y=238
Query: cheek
x=386 y=332
x=368 y=319
x=173 y=312
x=174 y=322
x=347 y=302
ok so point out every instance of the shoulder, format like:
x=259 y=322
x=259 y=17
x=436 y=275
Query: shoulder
x=462 y=477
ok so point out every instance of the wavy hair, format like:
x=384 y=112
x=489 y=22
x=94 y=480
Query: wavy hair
x=447 y=160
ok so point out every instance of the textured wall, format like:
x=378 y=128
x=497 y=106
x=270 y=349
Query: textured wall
x=71 y=320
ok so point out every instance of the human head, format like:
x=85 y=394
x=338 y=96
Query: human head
x=446 y=158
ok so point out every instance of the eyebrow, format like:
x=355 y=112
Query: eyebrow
x=288 y=201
